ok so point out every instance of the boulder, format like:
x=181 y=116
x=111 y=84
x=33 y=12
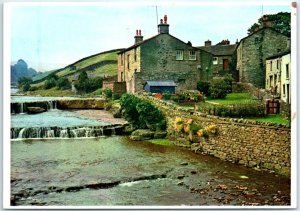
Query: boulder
x=35 y=110
x=141 y=134
x=160 y=134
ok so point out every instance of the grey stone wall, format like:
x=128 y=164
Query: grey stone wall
x=158 y=62
x=253 y=51
x=254 y=144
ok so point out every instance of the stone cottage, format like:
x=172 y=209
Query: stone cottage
x=278 y=70
x=215 y=59
x=253 y=50
x=162 y=57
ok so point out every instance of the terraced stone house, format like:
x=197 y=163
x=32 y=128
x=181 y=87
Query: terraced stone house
x=253 y=50
x=162 y=57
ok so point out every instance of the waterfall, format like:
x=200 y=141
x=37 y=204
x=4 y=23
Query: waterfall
x=49 y=105
x=21 y=108
x=65 y=132
x=55 y=105
x=20 y=135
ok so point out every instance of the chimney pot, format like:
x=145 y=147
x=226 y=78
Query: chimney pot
x=207 y=43
x=137 y=32
x=165 y=19
x=140 y=33
x=161 y=21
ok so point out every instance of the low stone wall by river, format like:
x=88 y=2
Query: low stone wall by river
x=250 y=143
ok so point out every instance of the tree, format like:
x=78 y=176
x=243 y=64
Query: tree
x=281 y=22
x=63 y=83
x=82 y=77
x=219 y=88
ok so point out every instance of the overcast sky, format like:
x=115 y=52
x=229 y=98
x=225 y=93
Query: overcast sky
x=49 y=37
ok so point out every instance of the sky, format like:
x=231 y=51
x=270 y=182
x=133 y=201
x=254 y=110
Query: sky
x=52 y=36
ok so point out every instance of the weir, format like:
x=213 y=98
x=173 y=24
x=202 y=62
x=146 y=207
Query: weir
x=65 y=132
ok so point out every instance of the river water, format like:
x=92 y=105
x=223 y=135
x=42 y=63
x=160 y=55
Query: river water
x=116 y=171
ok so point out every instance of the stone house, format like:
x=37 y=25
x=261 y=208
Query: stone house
x=253 y=50
x=162 y=57
x=286 y=78
x=215 y=59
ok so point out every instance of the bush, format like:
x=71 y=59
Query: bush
x=50 y=83
x=87 y=85
x=26 y=87
x=141 y=113
x=228 y=79
x=218 y=88
x=108 y=93
x=203 y=87
x=63 y=83
x=237 y=111
x=167 y=96
x=188 y=96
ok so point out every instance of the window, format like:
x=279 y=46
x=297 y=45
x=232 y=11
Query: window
x=271 y=66
x=275 y=79
x=283 y=89
x=122 y=76
x=128 y=57
x=122 y=61
x=134 y=54
x=287 y=72
x=179 y=55
x=215 y=60
x=192 y=55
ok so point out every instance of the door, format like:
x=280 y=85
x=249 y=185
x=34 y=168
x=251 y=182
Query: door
x=225 y=64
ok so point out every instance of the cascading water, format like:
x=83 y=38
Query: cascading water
x=21 y=108
x=59 y=132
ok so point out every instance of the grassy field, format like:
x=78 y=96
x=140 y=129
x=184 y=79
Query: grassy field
x=233 y=98
x=273 y=118
x=109 y=69
x=165 y=142
x=54 y=92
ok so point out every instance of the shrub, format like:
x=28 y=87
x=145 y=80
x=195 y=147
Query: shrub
x=167 y=96
x=26 y=87
x=50 y=83
x=63 y=83
x=188 y=96
x=238 y=111
x=218 y=88
x=107 y=93
x=228 y=79
x=141 y=113
x=203 y=87
x=87 y=85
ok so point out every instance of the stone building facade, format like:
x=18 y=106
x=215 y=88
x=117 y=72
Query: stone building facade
x=253 y=50
x=216 y=59
x=161 y=57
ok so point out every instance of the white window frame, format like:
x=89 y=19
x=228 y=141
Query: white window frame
x=215 y=60
x=179 y=55
x=192 y=55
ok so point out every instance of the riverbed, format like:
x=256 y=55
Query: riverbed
x=116 y=171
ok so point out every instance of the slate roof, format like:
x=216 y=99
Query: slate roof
x=161 y=83
x=259 y=30
x=146 y=40
x=279 y=54
x=219 y=50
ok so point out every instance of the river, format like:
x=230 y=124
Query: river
x=117 y=171
x=113 y=170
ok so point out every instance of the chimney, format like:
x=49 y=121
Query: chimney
x=266 y=22
x=163 y=27
x=138 y=37
x=207 y=43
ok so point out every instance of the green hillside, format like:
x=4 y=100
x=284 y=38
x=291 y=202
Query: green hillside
x=100 y=64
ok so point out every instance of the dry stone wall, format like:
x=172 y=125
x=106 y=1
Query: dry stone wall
x=246 y=142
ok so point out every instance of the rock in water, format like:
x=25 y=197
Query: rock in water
x=141 y=134
x=35 y=110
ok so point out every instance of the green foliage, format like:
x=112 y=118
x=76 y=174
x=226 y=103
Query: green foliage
x=234 y=98
x=237 y=110
x=63 y=83
x=52 y=76
x=280 y=22
x=194 y=127
x=83 y=77
x=203 y=87
x=50 y=83
x=141 y=113
x=24 y=83
x=219 y=88
x=167 y=96
x=87 y=85
x=188 y=96
x=108 y=93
